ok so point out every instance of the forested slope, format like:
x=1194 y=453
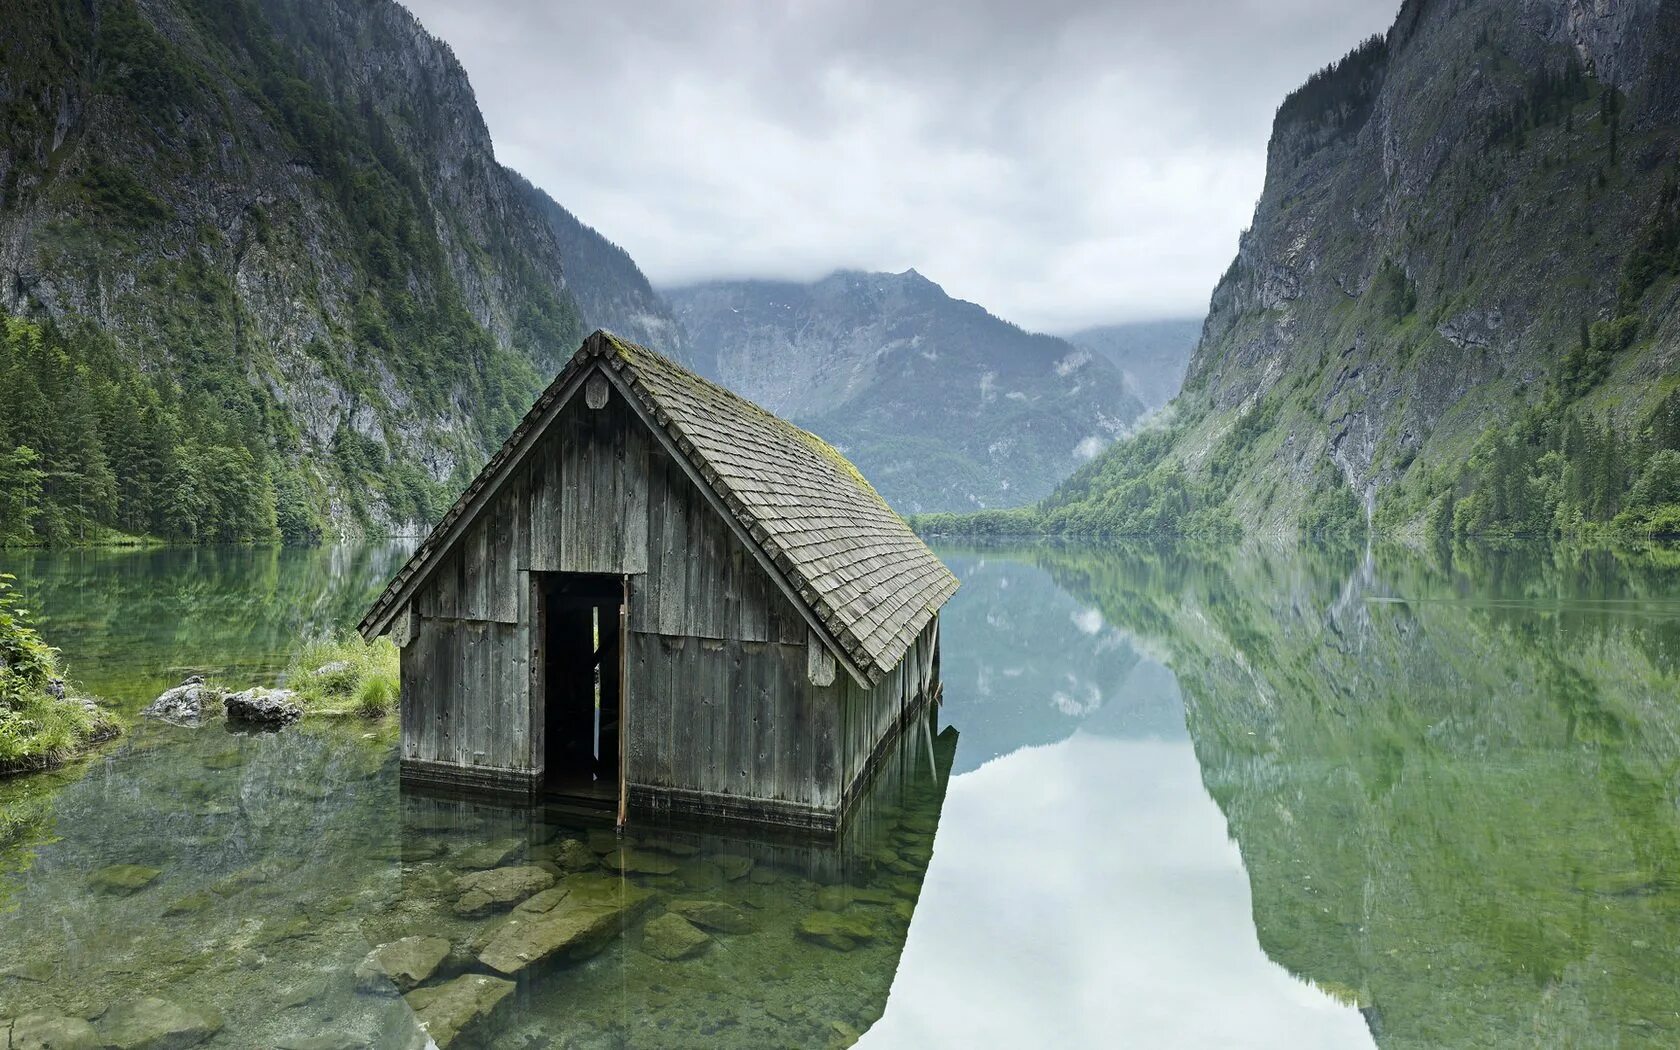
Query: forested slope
x=271 y=278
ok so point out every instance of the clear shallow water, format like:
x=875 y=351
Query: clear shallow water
x=1277 y=799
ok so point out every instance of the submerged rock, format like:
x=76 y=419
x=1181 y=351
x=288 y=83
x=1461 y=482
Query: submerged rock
x=489 y=855
x=733 y=866
x=486 y=891
x=123 y=879
x=572 y=856
x=156 y=1024
x=408 y=962
x=701 y=876
x=628 y=861
x=266 y=708
x=576 y=924
x=191 y=703
x=675 y=849
x=671 y=937
x=835 y=930
x=50 y=1032
x=838 y=898
x=446 y=1010
x=605 y=840
x=713 y=915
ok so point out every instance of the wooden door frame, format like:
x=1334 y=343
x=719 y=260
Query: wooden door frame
x=624 y=705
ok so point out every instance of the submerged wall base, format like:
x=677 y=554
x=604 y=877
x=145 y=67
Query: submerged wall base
x=664 y=804
x=512 y=784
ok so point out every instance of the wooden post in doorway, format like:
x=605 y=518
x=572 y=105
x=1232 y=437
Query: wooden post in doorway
x=623 y=703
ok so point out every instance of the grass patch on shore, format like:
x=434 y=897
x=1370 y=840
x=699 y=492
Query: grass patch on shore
x=345 y=675
x=41 y=724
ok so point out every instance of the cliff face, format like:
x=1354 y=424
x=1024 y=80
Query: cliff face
x=289 y=217
x=1453 y=234
x=941 y=404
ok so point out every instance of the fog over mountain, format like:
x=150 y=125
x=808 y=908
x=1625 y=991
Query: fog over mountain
x=1065 y=164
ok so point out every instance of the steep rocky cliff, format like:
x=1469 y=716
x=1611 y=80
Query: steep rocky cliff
x=286 y=220
x=1456 y=308
x=941 y=404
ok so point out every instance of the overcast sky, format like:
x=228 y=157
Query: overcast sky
x=1061 y=162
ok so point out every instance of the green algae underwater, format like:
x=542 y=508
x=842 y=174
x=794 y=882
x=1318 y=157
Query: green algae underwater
x=1352 y=798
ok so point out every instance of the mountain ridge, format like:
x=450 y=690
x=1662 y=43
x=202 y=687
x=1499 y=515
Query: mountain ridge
x=941 y=403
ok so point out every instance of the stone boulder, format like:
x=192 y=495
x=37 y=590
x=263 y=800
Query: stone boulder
x=571 y=856
x=123 y=879
x=489 y=855
x=192 y=703
x=629 y=861
x=672 y=937
x=50 y=1032
x=575 y=924
x=835 y=930
x=713 y=915
x=156 y=1024
x=483 y=892
x=405 y=963
x=264 y=708
x=447 y=1010
x=733 y=865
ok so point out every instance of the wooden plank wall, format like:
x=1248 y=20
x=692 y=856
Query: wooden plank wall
x=730 y=717
x=579 y=505
x=867 y=715
x=701 y=581
x=464 y=700
x=719 y=698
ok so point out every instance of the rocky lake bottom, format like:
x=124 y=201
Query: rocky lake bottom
x=208 y=888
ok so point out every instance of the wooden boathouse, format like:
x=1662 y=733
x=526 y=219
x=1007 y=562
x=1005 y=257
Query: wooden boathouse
x=661 y=597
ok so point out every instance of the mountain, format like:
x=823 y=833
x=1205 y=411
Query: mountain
x=609 y=288
x=264 y=273
x=942 y=405
x=1152 y=355
x=1456 y=311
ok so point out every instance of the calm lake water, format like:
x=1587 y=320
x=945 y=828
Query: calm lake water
x=1174 y=798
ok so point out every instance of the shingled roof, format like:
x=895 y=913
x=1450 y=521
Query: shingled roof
x=850 y=559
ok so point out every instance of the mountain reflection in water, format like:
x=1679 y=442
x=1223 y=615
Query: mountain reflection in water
x=1268 y=798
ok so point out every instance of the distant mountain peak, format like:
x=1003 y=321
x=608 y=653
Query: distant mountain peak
x=941 y=404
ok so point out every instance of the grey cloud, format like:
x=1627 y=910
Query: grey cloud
x=1063 y=162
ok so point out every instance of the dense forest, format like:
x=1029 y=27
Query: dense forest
x=90 y=446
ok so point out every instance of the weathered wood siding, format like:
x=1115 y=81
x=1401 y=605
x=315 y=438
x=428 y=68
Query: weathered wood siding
x=701 y=581
x=579 y=504
x=869 y=716
x=720 y=704
x=464 y=695
x=731 y=718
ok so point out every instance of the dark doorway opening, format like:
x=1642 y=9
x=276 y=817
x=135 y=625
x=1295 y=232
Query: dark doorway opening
x=581 y=628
